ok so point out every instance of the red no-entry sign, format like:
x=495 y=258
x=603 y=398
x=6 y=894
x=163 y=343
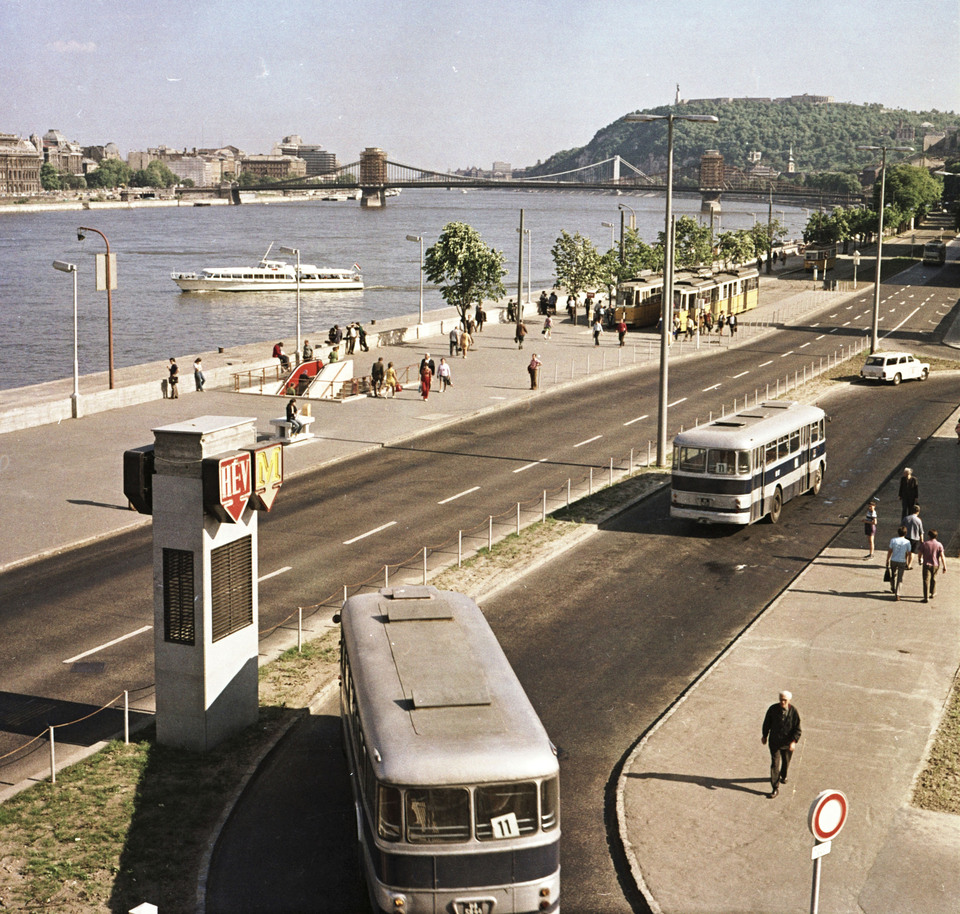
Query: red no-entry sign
x=827 y=814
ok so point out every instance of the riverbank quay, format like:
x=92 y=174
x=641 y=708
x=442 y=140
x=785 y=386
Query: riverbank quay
x=870 y=678
x=61 y=482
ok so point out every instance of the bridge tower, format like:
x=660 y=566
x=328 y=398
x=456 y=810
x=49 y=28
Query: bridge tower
x=711 y=182
x=373 y=177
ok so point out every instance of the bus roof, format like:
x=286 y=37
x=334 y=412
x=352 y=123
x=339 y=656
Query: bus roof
x=439 y=702
x=751 y=426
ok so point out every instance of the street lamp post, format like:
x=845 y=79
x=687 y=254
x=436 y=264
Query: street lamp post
x=875 y=323
x=633 y=224
x=64 y=267
x=667 y=306
x=295 y=251
x=109 y=275
x=419 y=238
x=527 y=232
x=856 y=263
x=610 y=226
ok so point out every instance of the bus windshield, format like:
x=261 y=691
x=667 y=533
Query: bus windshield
x=713 y=461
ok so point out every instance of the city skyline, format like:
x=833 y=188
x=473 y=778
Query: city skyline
x=442 y=86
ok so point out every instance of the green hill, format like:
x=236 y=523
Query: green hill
x=823 y=137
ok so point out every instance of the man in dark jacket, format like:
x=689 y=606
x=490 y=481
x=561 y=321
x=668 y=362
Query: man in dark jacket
x=781 y=731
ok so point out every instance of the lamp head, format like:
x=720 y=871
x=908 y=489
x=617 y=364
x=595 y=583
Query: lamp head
x=80 y=235
x=64 y=267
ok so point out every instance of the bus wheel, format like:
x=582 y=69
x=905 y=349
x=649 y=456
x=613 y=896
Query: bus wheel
x=817 y=481
x=776 y=507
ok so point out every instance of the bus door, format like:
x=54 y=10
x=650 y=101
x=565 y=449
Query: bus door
x=759 y=468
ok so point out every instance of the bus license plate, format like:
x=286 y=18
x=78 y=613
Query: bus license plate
x=705 y=502
x=479 y=906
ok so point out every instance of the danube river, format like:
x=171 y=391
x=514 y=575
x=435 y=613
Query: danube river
x=152 y=319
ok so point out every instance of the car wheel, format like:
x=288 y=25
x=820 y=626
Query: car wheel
x=924 y=374
x=897 y=379
x=776 y=507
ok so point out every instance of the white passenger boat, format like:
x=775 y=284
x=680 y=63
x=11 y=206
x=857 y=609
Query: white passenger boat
x=269 y=276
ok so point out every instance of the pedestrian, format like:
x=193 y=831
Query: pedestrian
x=781 y=733
x=199 y=378
x=870 y=526
x=426 y=379
x=362 y=337
x=174 y=379
x=511 y=311
x=622 y=329
x=534 y=370
x=542 y=303
x=914 y=533
x=390 y=380
x=932 y=559
x=520 y=334
x=909 y=493
x=352 y=336
x=466 y=343
x=479 y=315
x=547 y=327
x=293 y=411
x=443 y=373
x=897 y=554
x=732 y=321
x=307 y=351
x=427 y=361
x=454 y=341
x=377 y=374
x=278 y=353
x=597 y=330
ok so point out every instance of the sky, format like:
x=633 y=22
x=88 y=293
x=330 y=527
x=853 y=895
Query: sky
x=444 y=84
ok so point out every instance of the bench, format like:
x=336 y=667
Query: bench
x=284 y=427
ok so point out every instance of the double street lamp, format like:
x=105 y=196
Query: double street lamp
x=875 y=323
x=419 y=238
x=295 y=251
x=667 y=307
x=65 y=267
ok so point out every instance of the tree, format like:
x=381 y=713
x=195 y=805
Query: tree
x=110 y=173
x=736 y=247
x=914 y=191
x=49 y=177
x=465 y=268
x=693 y=245
x=577 y=263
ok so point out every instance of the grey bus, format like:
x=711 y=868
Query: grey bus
x=745 y=466
x=455 y=781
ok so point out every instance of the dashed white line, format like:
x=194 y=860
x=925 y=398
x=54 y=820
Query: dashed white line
x=94 y=650
x=822 y=335
x=273 y=574
x=645 y=416
x=742 y=373
x=706 y=389
x=764 y=364
x=676 y=402
x=529 y=465
x=369 y=533
x=588 y=440
x=458 y=495
x=786 y=354
x=804 y=345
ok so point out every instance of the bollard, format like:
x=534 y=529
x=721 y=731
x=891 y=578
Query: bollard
x=126 y=717
x=459 y=548
x=300 y=628
x=543 y=512
x=53 y=760
x=424 y=566
x=490 y=534
x=386 y=575
x=611 y=471
x=568 y=492
x=590 y=484
x=344 y=593
x=648 y=452
x=518 y=518
x=631 y=461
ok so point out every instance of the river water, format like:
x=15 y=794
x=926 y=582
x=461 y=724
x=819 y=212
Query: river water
x=153 y=320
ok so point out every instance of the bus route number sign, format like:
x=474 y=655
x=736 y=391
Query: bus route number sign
x=505 y=826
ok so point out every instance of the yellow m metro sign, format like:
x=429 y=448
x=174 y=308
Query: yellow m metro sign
x=267 y=463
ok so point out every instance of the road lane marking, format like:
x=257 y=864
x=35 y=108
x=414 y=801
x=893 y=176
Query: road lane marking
x=734 y=378
x=589 y=440
x=102 y=647
x=369 y=533
x=822 y=335
x=273 y=574
x=847 y=324
x=804 y=345
x=458 y=495
x=895 y=329
x=529 y=465
x=786 y=354
x=645 y=416
x=706 y=389
x=764 y=365
x=676 y=402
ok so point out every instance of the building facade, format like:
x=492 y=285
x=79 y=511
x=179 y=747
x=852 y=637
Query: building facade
x=319 y=160
x=20 y=162
x=281 y=166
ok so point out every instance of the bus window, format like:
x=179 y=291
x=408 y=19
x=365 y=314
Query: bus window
x=771 y=453
x=549 y=803
x=505 y=811
x=795 y=441
x=728 y=462
x=437 y=815
x=389 y=809
x=692 y=459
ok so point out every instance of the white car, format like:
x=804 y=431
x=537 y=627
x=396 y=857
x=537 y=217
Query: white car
x=894 y=367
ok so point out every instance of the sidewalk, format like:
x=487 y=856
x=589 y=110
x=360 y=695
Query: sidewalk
x=870 y=678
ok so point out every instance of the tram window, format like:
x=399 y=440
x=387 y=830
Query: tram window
x=389 y=810
x=549 y=803
x=692 y=459
x=437 y=815
x=505 y=811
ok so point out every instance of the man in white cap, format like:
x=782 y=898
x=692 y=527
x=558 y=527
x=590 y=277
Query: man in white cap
x=781 y=731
